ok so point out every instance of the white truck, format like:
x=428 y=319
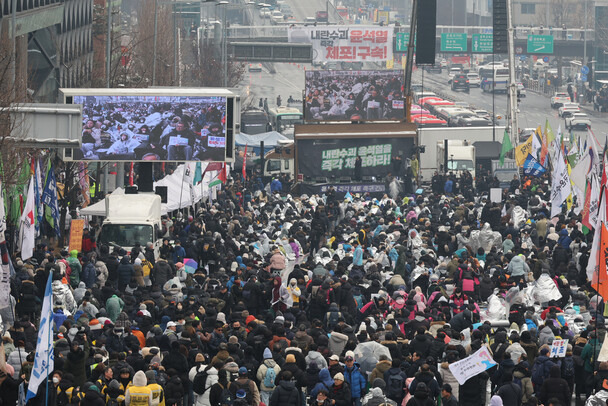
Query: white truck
x=430 y=137
x=130 y=219
x=455 y=156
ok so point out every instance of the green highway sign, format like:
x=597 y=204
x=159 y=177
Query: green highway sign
x=482 y=43
x=540 y=44
x=403 y=39
x=453 y=42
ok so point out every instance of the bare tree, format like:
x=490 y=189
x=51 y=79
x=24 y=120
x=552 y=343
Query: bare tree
x=210 y=72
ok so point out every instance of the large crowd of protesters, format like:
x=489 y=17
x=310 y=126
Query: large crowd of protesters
x=320 y=300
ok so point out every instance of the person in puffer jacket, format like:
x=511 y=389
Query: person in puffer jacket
x=266 y=391
x=518 y=268
x=102 y=273
x=600 y=398
x=354 y=378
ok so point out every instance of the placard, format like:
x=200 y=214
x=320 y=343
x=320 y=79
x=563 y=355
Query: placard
x=76 y=232
x=496 y=195
x=472 y=365
x=558 y=349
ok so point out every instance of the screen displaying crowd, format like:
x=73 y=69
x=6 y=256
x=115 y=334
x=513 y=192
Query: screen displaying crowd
x=354 y=95
x=169 y=128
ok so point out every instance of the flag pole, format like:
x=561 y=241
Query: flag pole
x=48 y=361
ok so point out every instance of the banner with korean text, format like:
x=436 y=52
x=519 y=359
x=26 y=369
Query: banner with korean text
x=339 y=43
x=472 y=365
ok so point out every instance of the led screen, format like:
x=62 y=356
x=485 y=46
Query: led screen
x=163 y=128
x=333 y=95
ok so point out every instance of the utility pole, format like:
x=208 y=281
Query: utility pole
x=108 y=43
x=512 y=83
x=155 y=36
x=407 y=80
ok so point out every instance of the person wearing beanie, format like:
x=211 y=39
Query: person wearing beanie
x=266 y=375
x=422 y=396
x=340 y=393
x=509 y=391
x=113 y=392
x=376 y=395
x=542 y=368
x=296 y=373
x=252 y=395
x=139 y=393
x=92 y=396
x=158 y=393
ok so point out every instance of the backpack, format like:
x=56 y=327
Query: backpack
x=517 y=381
x=568 y=368
x=247 y=388
x=538 y=373
x=246 y=294
x=199 y=382
x=359 y=301
x=332 y=318
x=226 y=398
x=394 y=385
x=269 y=378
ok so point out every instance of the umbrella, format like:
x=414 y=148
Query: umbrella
x=190 y=265
x=368 y=355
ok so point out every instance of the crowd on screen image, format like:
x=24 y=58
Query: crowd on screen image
x=153 y=131
x=356 y=97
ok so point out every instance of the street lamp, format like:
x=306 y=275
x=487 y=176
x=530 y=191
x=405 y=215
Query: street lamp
x=224 y=46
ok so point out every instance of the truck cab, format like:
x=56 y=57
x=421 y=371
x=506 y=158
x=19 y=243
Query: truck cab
x=460 y=156
x=280 y=161
x=130 y=219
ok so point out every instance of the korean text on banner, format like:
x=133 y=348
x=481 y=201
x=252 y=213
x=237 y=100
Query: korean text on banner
x=472 y=365
x=333 y=43
x=76 y=232
x=558 y=348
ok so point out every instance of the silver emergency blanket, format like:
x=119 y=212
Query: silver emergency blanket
x=518 y=215
x=485 y=238
x=545 y=290
x=496 y=311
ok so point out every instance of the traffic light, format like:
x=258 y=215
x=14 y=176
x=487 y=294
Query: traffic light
x=500 y=26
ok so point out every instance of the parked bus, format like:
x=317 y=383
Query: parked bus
x=283 y=119
x=254 y=121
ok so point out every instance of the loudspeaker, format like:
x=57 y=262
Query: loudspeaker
x=162 y=192
x=145 y=181
x=426 y=32
x=130 y=190
x=499 y=25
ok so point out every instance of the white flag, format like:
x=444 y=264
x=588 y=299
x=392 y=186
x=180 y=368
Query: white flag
x=28 y=224
x=560 y=187
x=595 y=246
x=536 y=146
x=44 y=362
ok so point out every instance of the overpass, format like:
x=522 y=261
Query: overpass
x=567 y=43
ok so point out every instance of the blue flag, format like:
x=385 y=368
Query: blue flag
x=44 y=361
x=49 y=198
x=532 y=167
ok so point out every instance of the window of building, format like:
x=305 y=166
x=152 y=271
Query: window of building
x=528 y=8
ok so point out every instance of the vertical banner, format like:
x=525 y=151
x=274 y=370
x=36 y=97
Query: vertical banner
x=76 y=232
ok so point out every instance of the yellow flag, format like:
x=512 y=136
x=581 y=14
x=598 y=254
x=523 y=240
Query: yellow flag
x=522 y=151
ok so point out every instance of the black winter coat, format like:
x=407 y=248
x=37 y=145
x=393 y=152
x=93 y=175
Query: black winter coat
x=341 y=395
x=285 y=394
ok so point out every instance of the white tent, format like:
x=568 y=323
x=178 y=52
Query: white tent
x=177 y=196
x=271 y=139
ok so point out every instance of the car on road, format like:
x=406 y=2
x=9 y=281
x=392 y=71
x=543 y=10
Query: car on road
x=276 y=17
x=577 y=121
x=474 y=79
x=567 y=109
x=265 y=12
x=255 y=67
x=436 y=68
x=452 y=72
x=558 y=99
x=443 y=63
x=525 y=133
x=521 y=90
x=309 y=20
x=460 y=81
x=322 y=16
x=483 y=114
